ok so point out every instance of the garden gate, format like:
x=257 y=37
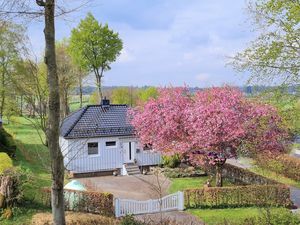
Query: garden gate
x=168 y=203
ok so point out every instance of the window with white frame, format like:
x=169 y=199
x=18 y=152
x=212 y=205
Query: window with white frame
x=111 y=144
x=93 y=148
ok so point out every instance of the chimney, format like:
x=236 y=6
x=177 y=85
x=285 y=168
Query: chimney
x=105 y=102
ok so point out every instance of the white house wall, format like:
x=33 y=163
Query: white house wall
x=109 y=158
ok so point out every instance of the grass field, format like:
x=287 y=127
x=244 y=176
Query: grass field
x=32 y=156
x=230 y=215
x=75 y=102
x=180 y=184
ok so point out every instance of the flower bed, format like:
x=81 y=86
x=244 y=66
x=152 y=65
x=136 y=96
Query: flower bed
x=238 y=196
x=84 y=201
x=182 y=172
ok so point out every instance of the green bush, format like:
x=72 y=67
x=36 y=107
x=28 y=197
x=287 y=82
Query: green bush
x=238 y=196
x=171 y=161
x=6 y=162
x=130 y=220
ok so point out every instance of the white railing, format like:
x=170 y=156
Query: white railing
x=148 y=158
x=171 y=202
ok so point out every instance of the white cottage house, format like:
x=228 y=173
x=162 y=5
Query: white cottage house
x=99 y=139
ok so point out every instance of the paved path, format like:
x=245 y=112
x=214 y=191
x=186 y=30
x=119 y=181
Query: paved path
x=139 y=187
x=247 y=163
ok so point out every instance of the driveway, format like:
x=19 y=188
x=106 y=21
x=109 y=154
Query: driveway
x=139 y=187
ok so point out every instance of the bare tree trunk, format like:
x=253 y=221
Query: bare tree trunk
x=21 y=105
x=80 y=90
x=57 y=166
x=2 y=95
x=219 y=177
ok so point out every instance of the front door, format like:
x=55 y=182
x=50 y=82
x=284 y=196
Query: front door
x=129 y=150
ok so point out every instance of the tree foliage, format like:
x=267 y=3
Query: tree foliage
x=94 y=47
x=274 y=55
x=210 y=126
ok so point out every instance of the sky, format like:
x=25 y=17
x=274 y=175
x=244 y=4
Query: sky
x=166 y=42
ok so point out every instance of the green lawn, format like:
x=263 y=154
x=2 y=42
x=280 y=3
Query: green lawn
x=180 y=184
x=32 y=156
x=232 y=215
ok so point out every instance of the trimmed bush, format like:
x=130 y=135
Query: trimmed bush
x=171 y=161
x=282 y=164
x=238 y=196
x=6 y=162
x=84 y=201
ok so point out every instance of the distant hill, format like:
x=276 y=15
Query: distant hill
x=88 y=90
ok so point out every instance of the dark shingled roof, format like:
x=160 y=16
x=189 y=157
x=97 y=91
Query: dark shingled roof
x=97 y=121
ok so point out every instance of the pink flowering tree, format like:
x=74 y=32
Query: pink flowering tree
x=209 y=126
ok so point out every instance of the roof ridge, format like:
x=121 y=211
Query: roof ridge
x=79 y=117
x=109 y=105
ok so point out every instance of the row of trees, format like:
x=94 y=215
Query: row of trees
x=42 y=88
x=126 y=95
x=23 y=81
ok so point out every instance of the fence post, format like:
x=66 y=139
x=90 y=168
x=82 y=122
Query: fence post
x=117 y=207
x=180 y=200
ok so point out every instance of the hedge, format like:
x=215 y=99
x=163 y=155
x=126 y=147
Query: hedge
x=5 y=162
x=243 y=176
x=238 y=196
x=281 y=164
x=84 y=201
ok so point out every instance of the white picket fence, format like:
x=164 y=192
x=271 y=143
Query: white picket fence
x=132 y=207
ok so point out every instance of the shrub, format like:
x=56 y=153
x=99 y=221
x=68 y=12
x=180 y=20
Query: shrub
x=130 y=220
x=281 y=164
x=12 y=183
x=171 y=161
x=238 y=196
x=74 y=219
x=84 y=201
x=6 y=162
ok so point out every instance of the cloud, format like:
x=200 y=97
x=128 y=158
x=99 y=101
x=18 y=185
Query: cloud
x=169 y=41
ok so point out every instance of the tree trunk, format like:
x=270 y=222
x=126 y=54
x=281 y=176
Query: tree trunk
x=21 y=105
x=57 y=166
x=219 y=177
x=98 y=79
x=80 y=90
x=2 y=95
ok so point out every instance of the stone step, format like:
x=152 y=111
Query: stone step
x=132 y=169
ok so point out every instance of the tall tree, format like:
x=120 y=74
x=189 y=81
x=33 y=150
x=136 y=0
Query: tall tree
x=211 y=126
x=94 y=47
x=57 y=164
x=68 y=74
x=274 y=56
x=124 y=95
x=11 y=35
